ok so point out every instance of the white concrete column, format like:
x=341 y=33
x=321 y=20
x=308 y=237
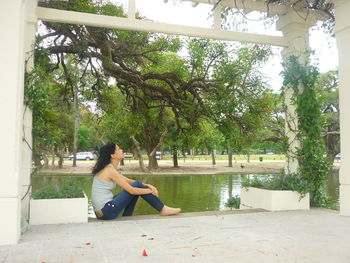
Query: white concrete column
x=12 y=24
x=217 y=18
x=296 y=30
x=27 y=141
x=342 y=31
x=131 y=9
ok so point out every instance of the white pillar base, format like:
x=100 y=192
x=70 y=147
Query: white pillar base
x=344 y=199
x=25 y=201
x=10 y=219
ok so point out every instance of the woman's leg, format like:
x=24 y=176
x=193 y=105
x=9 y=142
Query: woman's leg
x=153 y=200
x=129 y=209
x=127 y=202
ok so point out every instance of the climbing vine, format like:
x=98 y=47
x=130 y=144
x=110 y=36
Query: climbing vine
x=313 y=164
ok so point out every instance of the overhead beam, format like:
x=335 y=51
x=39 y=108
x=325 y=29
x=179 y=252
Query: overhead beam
x=71 y=17
x=248 y=5
x=261 y=6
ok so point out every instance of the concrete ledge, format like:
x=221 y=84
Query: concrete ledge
x=182 y=215
x=273 y=200
x=58 y=211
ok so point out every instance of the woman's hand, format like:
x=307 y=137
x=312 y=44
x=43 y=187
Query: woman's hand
x=153 y=189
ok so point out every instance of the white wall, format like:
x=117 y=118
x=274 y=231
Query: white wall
x=26 y=163
x=343 y=43
x=11 y=106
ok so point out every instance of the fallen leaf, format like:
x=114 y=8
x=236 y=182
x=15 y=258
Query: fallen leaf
x=143 y=235
x=193 y=256
x=144 y=253
x=151 y=238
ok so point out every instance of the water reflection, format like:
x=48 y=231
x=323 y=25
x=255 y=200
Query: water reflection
x=193 y=193
x=333 y=185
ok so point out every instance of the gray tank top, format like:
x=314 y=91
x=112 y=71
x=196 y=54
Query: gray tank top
x=101 y=192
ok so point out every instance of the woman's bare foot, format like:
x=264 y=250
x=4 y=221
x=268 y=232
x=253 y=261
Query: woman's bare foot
x=168 y=211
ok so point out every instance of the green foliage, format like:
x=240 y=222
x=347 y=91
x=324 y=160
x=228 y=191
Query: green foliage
x=70 y=189
x=271 y=138
x=328 y=93
x=279 y=182
x=313 y=162
x=233 y=202
x=330 y=203
x=84 y=135
x=52 y=122
x=242 y=101
x=157 y=87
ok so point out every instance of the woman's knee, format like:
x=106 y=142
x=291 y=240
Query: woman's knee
x=138 y=184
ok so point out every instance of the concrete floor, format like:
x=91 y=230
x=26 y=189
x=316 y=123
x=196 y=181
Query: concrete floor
x=294 y=236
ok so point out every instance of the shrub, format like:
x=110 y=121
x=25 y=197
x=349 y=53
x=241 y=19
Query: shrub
x=233 y=202
x=290 y=182
x=69 y=189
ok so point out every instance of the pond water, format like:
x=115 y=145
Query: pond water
x=193 y=193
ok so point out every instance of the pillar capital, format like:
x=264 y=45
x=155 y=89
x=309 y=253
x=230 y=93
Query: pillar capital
x=342 y=11
x=296 y=30
x=293 y=21
x=338 y=2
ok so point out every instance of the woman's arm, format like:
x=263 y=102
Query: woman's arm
x=123 y=182
x=130 y=181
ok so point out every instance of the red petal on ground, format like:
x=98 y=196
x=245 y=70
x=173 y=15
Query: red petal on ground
x=144 y=253
x=193 y=255
x=143 y=235
x=88 y=243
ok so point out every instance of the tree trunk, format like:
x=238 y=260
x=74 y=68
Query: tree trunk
x=333 y=147
x=138 y=152
x=152 y=160
x=53 y=159
x=230 y=186
x=135 y=154
x=248 y=155
x=60 y=154
x=46 y=162
x=213 y=161
x=175 y=161
x=76 y=126
x=184 y=155
x=229 y=151
x=37 y=160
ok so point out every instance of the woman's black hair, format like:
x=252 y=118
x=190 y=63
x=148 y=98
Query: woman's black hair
x=104 y=157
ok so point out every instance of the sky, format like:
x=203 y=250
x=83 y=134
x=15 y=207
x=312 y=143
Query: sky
x=177 y=12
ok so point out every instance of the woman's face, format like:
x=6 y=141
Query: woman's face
x=118 y=153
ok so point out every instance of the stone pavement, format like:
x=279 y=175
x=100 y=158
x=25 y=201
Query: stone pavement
x=317 y=235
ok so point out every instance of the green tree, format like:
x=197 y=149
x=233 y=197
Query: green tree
x=271 y=137
x=84 y=137
x=328 y=94
x=242 y=100
x=52 y=119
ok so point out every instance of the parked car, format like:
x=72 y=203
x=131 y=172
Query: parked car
x=338 y=157
x=158 y=155
x=83 y=156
